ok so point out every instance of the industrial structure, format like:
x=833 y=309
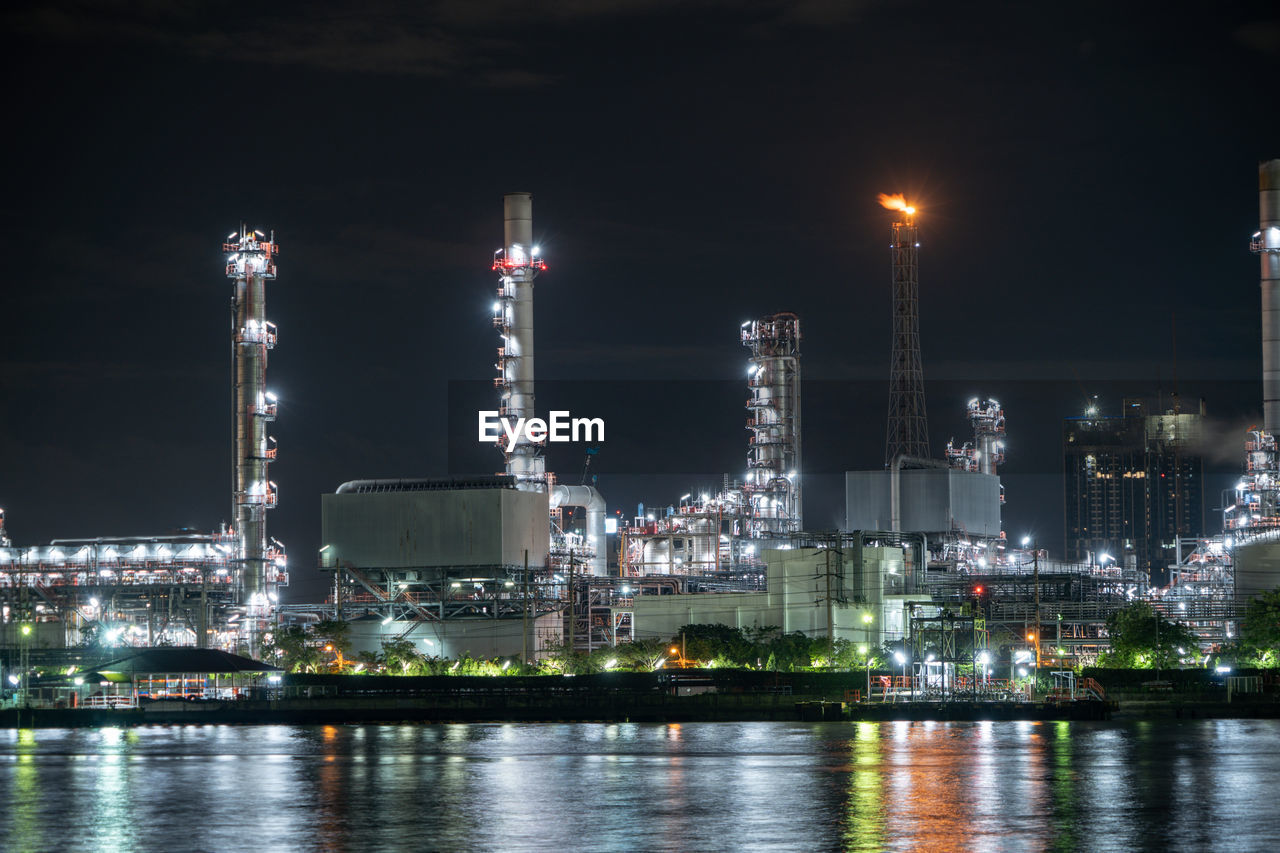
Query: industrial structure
x=1133 y=485
x=498 y=564
x=908 y=433
x=484 y=564
x=1245 y=560
x=251 y=263
x=188 y=588
x=715 y=542
x=773 y=459
x=518 y=263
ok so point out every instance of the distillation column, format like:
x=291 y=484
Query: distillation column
x=518 y=264
x=987 y=419
x=908 y=432
x=251 y=262
x=773 y=454
x=1266 y=244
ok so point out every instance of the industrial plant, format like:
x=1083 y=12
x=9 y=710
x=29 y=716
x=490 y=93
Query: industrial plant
x=513 y=562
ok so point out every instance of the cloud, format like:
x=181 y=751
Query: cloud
x=484 y=44
x=389 y=38
x=1262 y=36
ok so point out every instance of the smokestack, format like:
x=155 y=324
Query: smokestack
x=517 y=222
x=518 y=263
x=1266 y=244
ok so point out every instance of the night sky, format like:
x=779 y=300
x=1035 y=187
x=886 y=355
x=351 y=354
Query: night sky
x=1086 y=176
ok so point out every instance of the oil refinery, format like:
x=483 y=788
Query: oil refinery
x=515 y=562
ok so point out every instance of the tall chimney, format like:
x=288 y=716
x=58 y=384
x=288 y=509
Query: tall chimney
x=517 y=264
x=1266 y=244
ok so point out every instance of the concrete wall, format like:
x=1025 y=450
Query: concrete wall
x=933 y=500
x=456 y=527
x=456 y=638
x=1257 y=568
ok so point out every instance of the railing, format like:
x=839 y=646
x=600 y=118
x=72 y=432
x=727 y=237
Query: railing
x=505 y=265
x=1089 y=685
x=101 y=701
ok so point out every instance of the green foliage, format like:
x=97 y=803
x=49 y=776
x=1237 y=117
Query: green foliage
x=561 y=659
x=401 y=657
x=1143 y=639
x=333 y=632
x=1260 y=628
x=642 y=655
x=747 y=647
x=293 y=649
x=708 y=642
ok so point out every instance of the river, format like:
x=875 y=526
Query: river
x=1159 y=785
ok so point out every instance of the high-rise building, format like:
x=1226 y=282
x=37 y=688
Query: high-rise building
x=1133 y=484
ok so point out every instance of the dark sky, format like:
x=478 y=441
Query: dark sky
x=1086 y=173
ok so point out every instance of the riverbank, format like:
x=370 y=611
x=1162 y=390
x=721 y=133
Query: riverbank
x=650 y=709
x=678 y=696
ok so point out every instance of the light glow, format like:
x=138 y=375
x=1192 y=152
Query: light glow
x=895 y=202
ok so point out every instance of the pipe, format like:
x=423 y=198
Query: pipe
x=1267 y=246
x=590 y=499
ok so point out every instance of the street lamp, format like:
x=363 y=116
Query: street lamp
x=902 y=661
x=862 y=650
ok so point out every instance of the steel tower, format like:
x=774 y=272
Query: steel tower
x=908 y=433
x=251 y=262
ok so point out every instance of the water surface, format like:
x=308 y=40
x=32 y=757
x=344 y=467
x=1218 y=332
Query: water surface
x=1187 y=785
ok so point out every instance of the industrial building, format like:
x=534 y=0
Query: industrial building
x=1133 y=484
x=856 y=588
x=444 y=563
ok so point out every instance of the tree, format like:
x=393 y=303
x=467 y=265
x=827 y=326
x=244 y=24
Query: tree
x=400 y=657
x=716 y=642
x=1141 y=638
x=1260 y=628
x=291 y=648
x=333 y=632
x=561 y=659
x=643 y=654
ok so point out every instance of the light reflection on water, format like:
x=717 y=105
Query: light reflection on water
x=859 y=786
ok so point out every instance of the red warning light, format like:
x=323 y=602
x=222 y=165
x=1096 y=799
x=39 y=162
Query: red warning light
x=977 y=590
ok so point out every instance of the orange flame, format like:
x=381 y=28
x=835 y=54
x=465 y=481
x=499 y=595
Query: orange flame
x=896 y=202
